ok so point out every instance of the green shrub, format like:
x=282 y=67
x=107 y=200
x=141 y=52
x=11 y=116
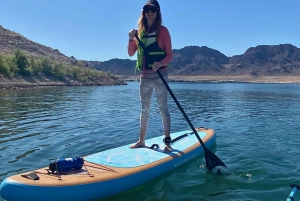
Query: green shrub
x=8 y=66
x=47 y=67
x=22 y=63
x=58 y=71
x=4 y=67
x=36 y=66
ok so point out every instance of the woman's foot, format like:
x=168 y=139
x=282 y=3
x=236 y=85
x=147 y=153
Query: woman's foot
x=137 y=145
x=168 y=148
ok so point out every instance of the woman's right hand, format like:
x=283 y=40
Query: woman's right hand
x=131 y=34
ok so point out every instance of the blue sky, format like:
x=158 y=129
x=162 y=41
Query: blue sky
x=98 y=29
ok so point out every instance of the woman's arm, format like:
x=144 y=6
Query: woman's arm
x=165 y=43
x=132 y=47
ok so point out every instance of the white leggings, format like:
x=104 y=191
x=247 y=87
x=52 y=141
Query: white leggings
x=146 y=89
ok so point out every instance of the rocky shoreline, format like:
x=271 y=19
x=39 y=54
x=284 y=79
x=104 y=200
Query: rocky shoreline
x=44 y=81
x=228 y=79
x=19 y=82
x=241 y=79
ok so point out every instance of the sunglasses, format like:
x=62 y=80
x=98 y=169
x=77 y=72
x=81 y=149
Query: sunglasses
x=150 y=8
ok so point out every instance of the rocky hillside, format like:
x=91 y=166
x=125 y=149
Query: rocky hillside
x=283 y=59
x=10 y=41
x=267 y=60
x=115 y=66
x=194 y=60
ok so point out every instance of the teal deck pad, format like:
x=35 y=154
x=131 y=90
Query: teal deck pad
x=125 y=157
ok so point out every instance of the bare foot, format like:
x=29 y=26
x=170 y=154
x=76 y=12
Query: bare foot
x=168 y=148
x=137 y=145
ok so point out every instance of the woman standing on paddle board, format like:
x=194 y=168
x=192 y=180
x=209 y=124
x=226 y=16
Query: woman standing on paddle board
x=157 y=40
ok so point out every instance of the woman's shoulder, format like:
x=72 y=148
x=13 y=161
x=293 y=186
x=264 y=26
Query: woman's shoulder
x=164 y=30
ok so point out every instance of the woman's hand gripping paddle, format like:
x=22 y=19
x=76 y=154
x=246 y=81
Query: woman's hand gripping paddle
x=212 y=161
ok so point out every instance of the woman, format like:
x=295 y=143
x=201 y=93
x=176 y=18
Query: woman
x=157 y=40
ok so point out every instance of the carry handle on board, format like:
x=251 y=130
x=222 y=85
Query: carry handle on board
x=295 y=187
x=211 y=159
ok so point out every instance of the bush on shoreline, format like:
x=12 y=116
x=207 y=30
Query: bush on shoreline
x=20 y=64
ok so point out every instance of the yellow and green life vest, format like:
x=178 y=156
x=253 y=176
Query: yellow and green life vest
x=155 y=53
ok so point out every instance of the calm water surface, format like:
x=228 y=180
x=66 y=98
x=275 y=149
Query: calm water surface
x=257 y=125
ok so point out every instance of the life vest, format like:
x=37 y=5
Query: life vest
x=155 y=53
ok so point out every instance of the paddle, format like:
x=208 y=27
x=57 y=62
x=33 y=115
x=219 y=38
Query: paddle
x=295 y=187
x=211 y=159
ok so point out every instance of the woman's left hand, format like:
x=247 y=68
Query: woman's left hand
x=156 y=65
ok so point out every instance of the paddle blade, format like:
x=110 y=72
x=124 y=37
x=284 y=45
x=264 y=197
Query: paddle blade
x=295 y=186
x=212 y=160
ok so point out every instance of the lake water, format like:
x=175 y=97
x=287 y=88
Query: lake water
x=257 y=126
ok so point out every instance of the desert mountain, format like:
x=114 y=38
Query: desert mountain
x=282 y=59
x=10 y=41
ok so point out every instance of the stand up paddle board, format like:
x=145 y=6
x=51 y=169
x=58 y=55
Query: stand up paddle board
x=108 y=172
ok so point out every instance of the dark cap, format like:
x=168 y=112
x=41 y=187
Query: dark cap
x=152 y=3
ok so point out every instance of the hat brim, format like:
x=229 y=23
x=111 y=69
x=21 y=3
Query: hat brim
x=150 y=4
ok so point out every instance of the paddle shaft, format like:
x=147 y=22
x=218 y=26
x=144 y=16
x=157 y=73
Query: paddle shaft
x=293 y=192
x=180 y=108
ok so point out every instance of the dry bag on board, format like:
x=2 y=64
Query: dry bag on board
x=66 y=164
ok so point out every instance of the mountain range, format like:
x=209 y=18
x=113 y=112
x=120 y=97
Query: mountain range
x=262 y=60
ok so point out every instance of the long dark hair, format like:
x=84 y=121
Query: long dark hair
x=143 y=25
